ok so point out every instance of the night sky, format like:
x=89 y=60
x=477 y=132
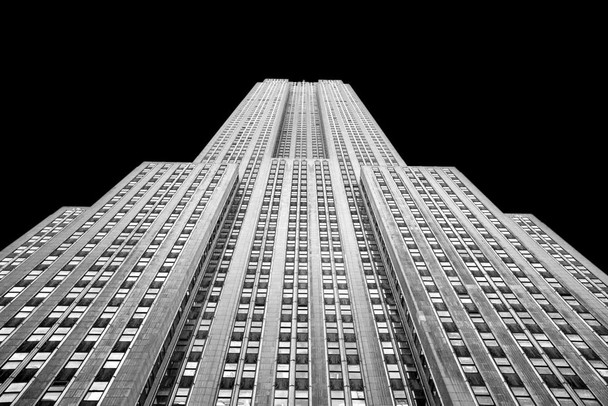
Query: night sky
x=519 y=117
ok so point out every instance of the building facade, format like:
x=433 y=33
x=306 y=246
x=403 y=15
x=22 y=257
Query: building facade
x=299 y=261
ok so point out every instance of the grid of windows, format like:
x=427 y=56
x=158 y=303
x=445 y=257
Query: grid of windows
x=586 y=278
x=509 y=308
x=593 y=358
x=537 y=265
x=319 y=143
x=485 y=275
x=260 y=123
x=360 y=128
x=393 y=339
x=343 y=363
x=85 y=284
x=283 y=146
x=310 y=142
x=345 y=122
x=16 y=288
x=404 y=335
x=13 y=259
x=213 y=150
x=301 y=125
x=11 y=321
x=452 y=333
x=185 y=359
x=371 y=128
x=125 y=341
x=190 y=312
x=184 y=365
x=240 y=368
x=528 y=334
x=293 y=358
x=64 y=316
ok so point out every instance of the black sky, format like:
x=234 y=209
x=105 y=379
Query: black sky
x=517 y=113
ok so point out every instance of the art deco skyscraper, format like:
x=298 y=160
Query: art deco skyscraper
x=299 y=261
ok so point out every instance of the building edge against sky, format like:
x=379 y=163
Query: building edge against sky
x=299 y=261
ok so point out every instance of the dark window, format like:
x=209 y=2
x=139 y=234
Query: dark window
x=105 y=374
x=514 y=328
x=49 y=346
x=450 y=327
x=247 y=383
x=531 y=352
x=553 y=352
x=281 y=384
x=461 y=351
x=120 y=346
x=475 y=379
x=301 y=384
x=513 y=380
x=396 y=384
x=68 y=322
x=134 y=323
x=26 y=346
x=589 y=354
x=551 y=381
x=227 y=383
x=232 y=358
x=575 y=381
x=336 y=384
x=65 y=375
x=25 y=375
x=13 y=322
x=496 y=352
x=66 y=301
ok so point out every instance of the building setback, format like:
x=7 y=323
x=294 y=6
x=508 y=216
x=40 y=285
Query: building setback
x=299 y=261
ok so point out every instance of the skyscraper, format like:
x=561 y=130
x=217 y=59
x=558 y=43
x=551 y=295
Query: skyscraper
x=299 y=261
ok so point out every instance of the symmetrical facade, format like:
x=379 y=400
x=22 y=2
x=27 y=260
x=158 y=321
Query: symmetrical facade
x=299 y=261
